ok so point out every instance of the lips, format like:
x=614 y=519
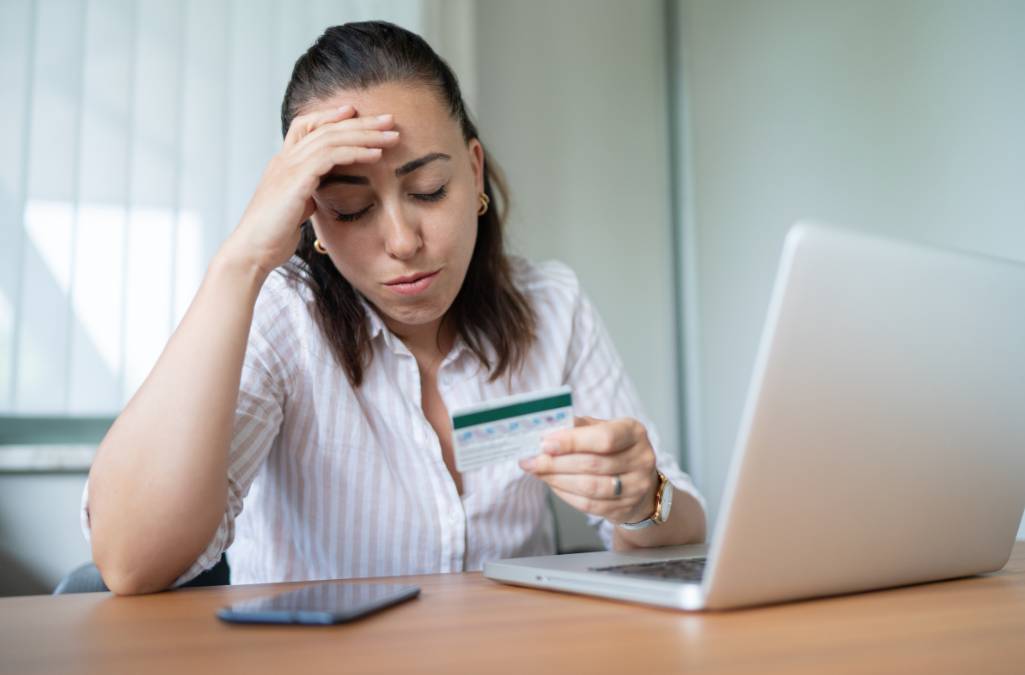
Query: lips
x=412 y=284
x=410 y=278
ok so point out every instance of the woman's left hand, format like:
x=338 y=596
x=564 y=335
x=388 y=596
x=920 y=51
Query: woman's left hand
x=581 y=465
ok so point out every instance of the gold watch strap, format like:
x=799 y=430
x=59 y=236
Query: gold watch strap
x=656 y=517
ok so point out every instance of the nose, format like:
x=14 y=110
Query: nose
x=402 y=237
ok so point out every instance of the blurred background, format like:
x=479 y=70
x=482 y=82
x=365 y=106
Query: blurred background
x=660 y=147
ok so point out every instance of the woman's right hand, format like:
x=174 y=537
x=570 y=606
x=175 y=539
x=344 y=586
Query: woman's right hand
x=268 y=232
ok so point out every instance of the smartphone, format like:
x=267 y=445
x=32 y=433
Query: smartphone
x=320 y=604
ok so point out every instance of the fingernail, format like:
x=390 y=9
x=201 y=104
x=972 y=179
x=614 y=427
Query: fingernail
x=550 y=445
x=345 y=108
x=528 y=464
x=384 y=118
x=390 y=134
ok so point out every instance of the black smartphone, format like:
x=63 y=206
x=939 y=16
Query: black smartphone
x=320 y=604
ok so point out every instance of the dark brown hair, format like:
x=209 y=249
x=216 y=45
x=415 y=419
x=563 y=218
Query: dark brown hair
x=488 y=308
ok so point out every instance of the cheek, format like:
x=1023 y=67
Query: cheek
x=455 y=229
x=451 y=238
x=348 y=250
x=351 y=259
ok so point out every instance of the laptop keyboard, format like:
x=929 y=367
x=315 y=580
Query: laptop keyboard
x=681 y=569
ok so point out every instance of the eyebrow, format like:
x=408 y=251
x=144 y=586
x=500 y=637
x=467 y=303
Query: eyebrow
x=407 y=168
x=413 y=165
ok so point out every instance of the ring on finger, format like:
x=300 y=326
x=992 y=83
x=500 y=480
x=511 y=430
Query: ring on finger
x=617 y=486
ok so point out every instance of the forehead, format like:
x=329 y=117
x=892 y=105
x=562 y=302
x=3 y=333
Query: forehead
x=420 y=114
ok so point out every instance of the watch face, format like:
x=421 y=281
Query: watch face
x=667 y=502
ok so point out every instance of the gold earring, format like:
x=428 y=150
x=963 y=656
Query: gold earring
x=320 y=247
x=484 y=201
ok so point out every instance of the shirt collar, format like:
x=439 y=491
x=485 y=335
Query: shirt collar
x=377 y=328
x=376 y=324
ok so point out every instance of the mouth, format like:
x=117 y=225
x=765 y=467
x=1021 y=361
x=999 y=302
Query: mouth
x=413 y=283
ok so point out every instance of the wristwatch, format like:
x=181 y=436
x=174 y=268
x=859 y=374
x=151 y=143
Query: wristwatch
x=663 y=503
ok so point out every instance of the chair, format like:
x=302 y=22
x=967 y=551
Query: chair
x=86 y=579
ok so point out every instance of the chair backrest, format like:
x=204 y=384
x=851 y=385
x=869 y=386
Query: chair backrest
x=86 y=579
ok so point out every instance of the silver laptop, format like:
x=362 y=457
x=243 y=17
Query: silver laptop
x=882 y=442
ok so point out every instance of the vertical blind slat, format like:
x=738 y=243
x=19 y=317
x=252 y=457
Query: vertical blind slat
x=129 y=157
x=17 y=30
x=178 y=223
x=203 y=156
x=101 y=214
x=75 y=157
x=251 y=104
x=49 y=211
x=151 y=216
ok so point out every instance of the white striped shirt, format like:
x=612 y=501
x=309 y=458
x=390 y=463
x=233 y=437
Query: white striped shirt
x=342 y=483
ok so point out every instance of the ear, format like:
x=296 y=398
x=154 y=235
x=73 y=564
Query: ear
x=477 y=161
x=314 y=218
x=314 y=215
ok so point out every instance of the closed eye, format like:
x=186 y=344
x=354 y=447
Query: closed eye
x=435 y=196
x=349 y=217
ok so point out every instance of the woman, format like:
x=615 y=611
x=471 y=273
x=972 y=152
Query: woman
x=363 y=294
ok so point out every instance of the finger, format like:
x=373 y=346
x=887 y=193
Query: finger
x=370 y=138
x=578 y=462
x=597 y=487
x=352 y=155
x=343 y=156
x=303 y=125
x=607 y=436
x=584 y=504
x=613 y=510
x=585 y=421
x=376 y=123
x=383 y=121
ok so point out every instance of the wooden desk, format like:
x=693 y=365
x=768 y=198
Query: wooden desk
x=464 y=623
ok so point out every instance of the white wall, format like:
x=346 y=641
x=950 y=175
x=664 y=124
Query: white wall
x=904 y=118
x=573 y=105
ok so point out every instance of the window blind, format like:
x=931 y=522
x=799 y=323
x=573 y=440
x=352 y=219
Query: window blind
x=134 y=135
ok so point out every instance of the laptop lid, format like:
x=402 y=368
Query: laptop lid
x=883 y=437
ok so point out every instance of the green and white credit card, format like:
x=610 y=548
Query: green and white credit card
x=508 y=428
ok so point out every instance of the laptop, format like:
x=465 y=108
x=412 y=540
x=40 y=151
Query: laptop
x=882 y=441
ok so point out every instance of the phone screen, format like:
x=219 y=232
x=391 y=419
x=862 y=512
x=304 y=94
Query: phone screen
x=320 y=604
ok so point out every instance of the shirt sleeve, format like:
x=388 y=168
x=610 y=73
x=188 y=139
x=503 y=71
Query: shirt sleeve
x=602 y=389
x=259 y=411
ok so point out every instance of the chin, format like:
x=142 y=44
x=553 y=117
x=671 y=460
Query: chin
x=416 y=315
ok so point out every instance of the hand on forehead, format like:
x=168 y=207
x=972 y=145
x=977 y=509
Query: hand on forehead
x=417 y=108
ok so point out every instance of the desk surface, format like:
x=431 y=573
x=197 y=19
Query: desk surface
x=464 y=623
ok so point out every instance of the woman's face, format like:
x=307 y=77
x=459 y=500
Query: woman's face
x=412 y=212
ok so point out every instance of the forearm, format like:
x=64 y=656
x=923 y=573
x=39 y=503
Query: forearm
x=158 y=486
x=685 y=525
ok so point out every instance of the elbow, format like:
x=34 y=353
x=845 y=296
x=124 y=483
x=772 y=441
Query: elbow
x=123 y=576
x=127 y=573
x=126 y=583
x=136 y=558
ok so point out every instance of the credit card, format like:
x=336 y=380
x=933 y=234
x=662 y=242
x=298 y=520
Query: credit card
x=508 y=428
